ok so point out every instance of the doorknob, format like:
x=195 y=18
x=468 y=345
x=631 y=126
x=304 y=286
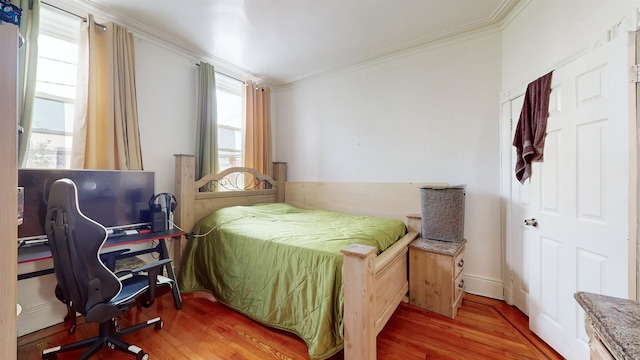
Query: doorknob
x=531 y=222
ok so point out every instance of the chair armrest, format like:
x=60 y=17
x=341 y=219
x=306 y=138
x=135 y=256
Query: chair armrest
x=152 y=270
x=109 y=258
x=149 y=267
x=124 y=274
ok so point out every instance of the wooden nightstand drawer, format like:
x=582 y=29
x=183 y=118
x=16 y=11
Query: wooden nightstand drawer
x=436 y=275
x=458 y=287
x=459 y=263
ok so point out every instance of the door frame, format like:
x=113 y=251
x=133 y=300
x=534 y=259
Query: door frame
x=634 y=162
x=626 y=27
x=506 y=182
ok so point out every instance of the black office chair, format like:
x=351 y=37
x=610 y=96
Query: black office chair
x=85 y=283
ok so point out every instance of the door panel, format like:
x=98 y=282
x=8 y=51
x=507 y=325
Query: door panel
x=591 y=138
x=591 y=269
x=550 y=252
x=550 y=182
x=579 y=195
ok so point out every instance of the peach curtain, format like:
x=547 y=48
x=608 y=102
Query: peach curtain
x=106 y=133
x=257 y=152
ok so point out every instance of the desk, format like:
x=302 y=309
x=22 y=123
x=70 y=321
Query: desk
x=41 y=252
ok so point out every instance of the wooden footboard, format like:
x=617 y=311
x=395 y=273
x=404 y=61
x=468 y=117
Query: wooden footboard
x=373 y=288
x=373 y=285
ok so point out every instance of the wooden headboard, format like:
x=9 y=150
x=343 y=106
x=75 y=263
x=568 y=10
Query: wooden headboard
x=250 y=188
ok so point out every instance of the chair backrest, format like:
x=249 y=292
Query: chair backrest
x=75 y=241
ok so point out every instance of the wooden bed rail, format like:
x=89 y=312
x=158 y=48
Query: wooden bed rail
x=373 y=288
x=359 y=302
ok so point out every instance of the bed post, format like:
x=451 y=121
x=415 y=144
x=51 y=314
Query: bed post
x=359 y=302
x=280 y=176
x=185 y=174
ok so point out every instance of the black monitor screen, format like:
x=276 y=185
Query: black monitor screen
x=115 y=199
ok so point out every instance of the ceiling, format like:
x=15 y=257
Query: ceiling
x=284 y=41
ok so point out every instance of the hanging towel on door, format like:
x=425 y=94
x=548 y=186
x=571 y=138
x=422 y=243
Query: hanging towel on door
x=532 y=126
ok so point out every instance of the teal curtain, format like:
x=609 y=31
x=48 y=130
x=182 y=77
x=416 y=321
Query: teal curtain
x=27 y=63
x=207 y=123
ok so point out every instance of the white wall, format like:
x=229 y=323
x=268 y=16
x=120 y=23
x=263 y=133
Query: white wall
x=40 y=308
x=547 y=32
x=428 y=116
x=166 y=91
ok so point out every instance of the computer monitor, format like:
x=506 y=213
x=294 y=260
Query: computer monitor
x=114 y=198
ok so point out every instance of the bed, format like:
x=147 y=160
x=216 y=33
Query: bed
x=374 y=282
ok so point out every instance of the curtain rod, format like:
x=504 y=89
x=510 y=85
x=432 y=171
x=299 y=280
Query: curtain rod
x=104 y=27
x=230 y=77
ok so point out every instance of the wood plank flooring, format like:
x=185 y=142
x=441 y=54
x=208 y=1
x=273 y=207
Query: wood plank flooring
x=205 y=329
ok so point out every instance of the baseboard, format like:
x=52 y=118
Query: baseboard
x=508 y=295
x=40 y=316
x=477 y=285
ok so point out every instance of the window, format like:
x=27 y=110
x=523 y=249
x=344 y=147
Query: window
x=53 y=111
x=230 y=124
x=50 y=142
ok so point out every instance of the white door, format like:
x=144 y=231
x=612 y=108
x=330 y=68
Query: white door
x=579 y=198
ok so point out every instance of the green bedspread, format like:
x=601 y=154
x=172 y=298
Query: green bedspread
x=282 y=266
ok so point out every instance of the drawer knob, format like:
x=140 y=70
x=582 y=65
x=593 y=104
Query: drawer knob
x=461 y=263
x=461 y=284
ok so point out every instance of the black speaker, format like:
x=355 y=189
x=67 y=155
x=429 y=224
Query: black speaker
x=158 y=221
x=162 y=207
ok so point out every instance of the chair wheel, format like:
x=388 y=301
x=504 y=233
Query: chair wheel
x=142 y=356
x=146 y=303
x=159 y=325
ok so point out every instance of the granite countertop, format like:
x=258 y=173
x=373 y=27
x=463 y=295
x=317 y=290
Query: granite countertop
x=616 y=320
x=439 y=246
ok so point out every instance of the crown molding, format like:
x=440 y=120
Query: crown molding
x=491 y=24
x=144 y=32
x=512 y=11
x=504 y=14
x=382 y=57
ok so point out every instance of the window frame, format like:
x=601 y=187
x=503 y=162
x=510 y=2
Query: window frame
x=64 y=27
x=235 y=87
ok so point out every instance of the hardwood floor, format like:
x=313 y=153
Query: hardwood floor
x=205 y=329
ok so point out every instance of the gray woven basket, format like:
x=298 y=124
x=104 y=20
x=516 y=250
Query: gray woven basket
x=443 y=213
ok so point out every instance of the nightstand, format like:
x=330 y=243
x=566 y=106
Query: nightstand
x=436 y=275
